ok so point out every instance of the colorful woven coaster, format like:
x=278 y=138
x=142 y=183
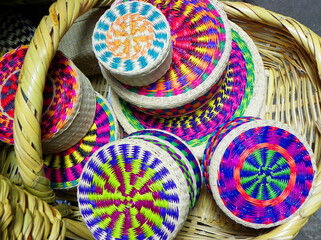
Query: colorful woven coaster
x=130 y=189
x=260 y=172
x=179 y=144
x=201 y=40
x=242 y=92
x=64 y=169
x=132 y=41
x=63 y=97
x=16 y=30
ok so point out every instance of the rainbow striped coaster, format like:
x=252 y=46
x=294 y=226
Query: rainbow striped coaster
x=242 y=92
x=260 y=172
x=132 y=41
x=188 y=162
x=15 y=30
x=64 y=169
x=68 y=101
x=133 y=189
x=201 y=39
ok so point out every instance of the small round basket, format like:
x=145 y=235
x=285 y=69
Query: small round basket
x=132 y=41
x=64 y=169
x=68 y=98
x=201 y=43
x=260 y=172
x=133 y=188
x=240 y=91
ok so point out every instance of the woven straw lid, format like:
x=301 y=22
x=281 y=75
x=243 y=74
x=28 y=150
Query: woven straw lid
x=201 y=40
x=64 y=169
x=132 y=41
x=181 y=153
x=260 y=172
x=15 y=30
x=68 y=101
x=131 y=189
x=76 y=44
x=241 y=92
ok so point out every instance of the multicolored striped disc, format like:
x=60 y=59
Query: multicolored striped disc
x=260 y=172
x=181 y=146
x=242 y=92
x=133 y=42
x=201 y=40
x=130 y=189
x=64 y=169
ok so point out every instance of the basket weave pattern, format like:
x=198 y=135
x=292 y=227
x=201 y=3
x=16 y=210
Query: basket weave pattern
x=291 y=55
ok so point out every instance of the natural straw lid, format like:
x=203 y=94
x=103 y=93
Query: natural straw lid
x=64 y=169
x=132 y=41
x=241 y=91
x=132 y=189
x=260 y=172
x=201 y=39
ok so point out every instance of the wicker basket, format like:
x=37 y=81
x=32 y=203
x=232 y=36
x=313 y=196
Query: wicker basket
x=291 y=55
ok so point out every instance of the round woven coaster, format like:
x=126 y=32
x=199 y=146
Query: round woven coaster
x=201 y=40
x=130 y=189
x=68 y=101
x=242 y=92
x=181 y=145
x=64 y=169
x=261 y=172
x=16 y=30
x=132 y=41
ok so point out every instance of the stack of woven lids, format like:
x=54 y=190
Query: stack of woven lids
x=215 y=72
x=140 y=187
x=181 y=66
x=76 y=121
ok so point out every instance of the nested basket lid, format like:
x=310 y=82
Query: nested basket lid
x=201 y=40
x=182 y=154
x=260 y=172
x=132 y=189
x=69 y=101
x=241 y=92
x=132 y=41
x=15 y=30
x=64 y=169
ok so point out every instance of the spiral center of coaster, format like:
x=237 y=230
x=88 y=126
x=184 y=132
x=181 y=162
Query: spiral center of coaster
x=130 y=36
x=265 y=174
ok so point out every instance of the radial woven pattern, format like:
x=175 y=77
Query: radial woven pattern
x=59 y=95
x=64 y=169
x=130 y=39
x=129 y=192
x=231 y=100
x=260 y=173
x=201 y=45
x=181 y=146
x=16 y=30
